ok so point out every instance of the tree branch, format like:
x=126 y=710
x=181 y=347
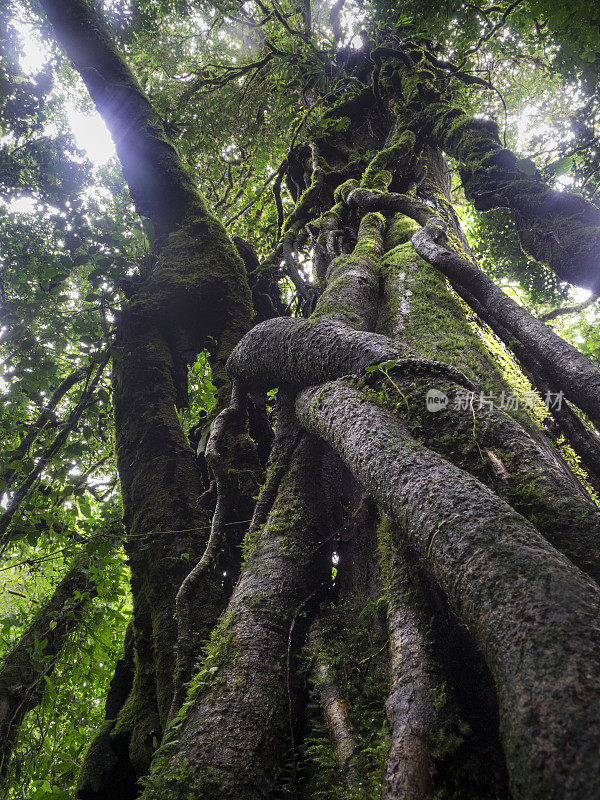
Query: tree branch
x=575 y=373
x=506 y=583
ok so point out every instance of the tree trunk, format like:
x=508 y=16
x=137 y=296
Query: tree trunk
x=32 y=660
x=500 y=526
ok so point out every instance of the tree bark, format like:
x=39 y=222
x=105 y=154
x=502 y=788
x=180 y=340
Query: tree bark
x=556 y=228
x=233 y=736
x=415 y=682
x=534 y=615
x=567 y=367
x=160 y=187
x=333 y=706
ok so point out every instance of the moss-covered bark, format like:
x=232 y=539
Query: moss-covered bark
x=195 y=292
x=567 y=367
x=167 y=529
x=419 y=311
x=556 y=228
x=232 y=738
x=533 y=614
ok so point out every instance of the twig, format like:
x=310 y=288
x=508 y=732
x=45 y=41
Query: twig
x=559 y=312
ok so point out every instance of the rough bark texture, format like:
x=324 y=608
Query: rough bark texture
x=419 y=312
x=229 y=740
x=584 y=440
x=415 y=679
x=541 y=487
x=534 y=615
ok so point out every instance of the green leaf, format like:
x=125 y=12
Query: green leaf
x=527 y=166
x=148 y=230
x=84 y=506
x=561 y=166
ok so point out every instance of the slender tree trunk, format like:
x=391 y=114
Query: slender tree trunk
x=24 y=669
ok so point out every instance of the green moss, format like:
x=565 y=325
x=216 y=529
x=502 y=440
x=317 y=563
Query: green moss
x=573 y=461
x=331 y=219
x=306 y=201
x=197 y=292
x=335 y=308
x=199 y=258
x=376 y=176
x=343 y=190
x=187 y=778
x=399 y=231
x=249 y=543
x=369 y=236
x=337 y=301
x=98 y=758
x=219 y=651
x=354 y=647
x=420 y=310
x=139 y=720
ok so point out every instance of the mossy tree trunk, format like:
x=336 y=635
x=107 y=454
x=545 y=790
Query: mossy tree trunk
x=194 y=288
x=493 y=530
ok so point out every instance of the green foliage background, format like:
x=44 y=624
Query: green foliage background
x=231 y=98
